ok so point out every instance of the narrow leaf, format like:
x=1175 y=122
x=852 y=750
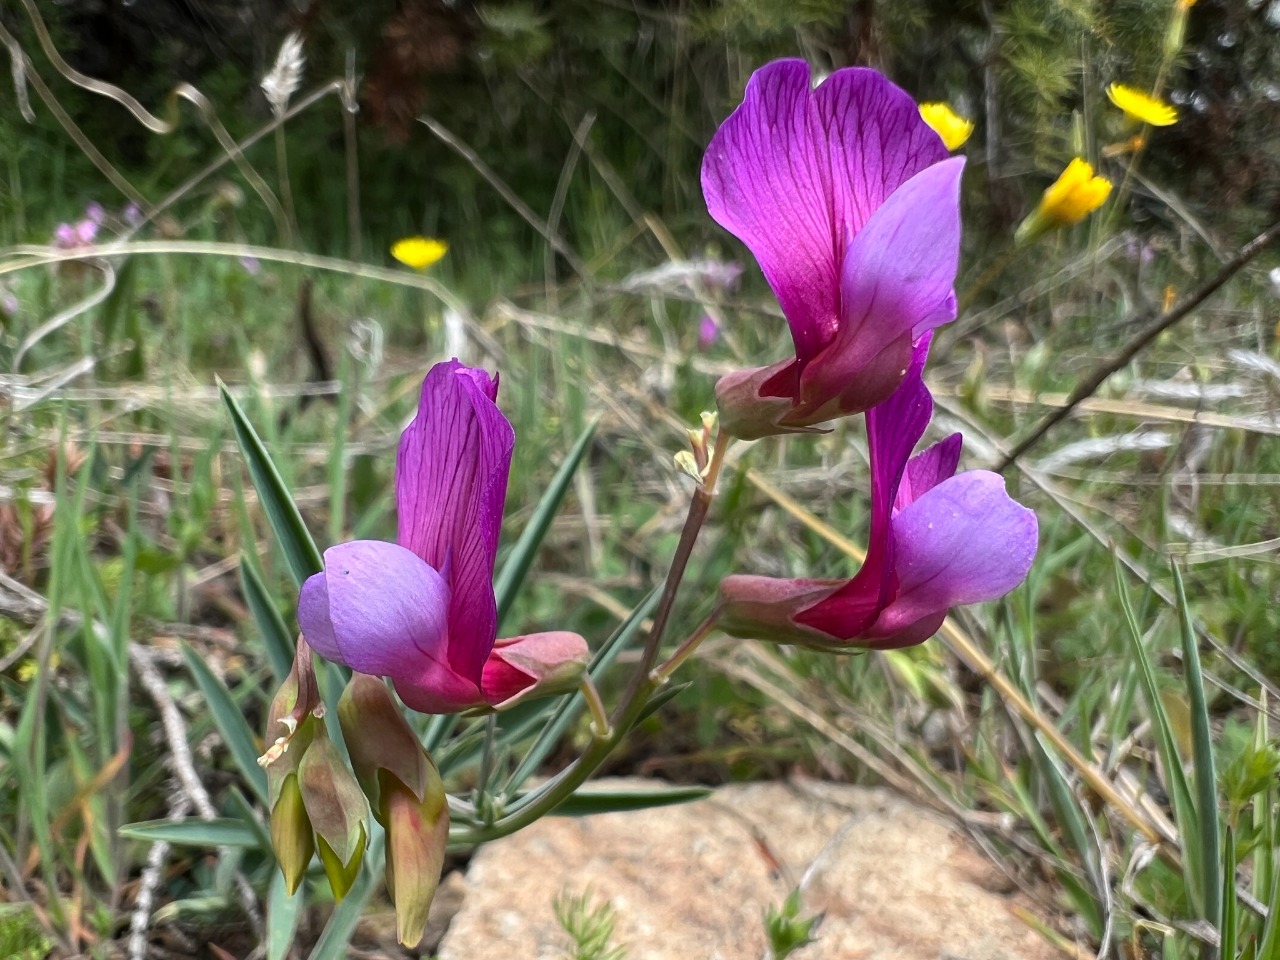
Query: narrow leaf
x=193 y=832
x=282 y=513
x=521 y=556
x=228 y=716
x=592 y=799
x=276 y=638
x=283 y=913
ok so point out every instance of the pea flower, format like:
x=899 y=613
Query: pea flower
x=937 y=539
x=1142 y=107
x=422 y=611
x=954 y=129
x=419 y=252
x=1069 y=199
x=850 y=204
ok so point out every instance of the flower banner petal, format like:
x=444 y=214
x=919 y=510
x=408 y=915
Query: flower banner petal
x=795 y=172
x=451 y=482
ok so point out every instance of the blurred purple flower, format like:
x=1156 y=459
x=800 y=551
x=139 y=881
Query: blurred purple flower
x=422 y=611
x=850 y=204
x=251 y=265
x=132 y=214
x=937 y=540
x=70 y=236
x=8 y=301
x=708 y=332
x=95 y=213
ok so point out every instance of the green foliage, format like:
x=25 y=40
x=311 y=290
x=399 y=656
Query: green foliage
x=589 y=927
x=786 y=929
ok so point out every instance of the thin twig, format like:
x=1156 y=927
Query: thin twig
x=1162 y=323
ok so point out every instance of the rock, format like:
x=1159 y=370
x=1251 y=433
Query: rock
x=893 y=881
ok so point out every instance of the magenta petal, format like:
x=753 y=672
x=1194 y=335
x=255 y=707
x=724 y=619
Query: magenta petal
x=964 y=541
x=896 y=285
x=893 y=429
x=451 y=481
x=794 y=173
x=377 y=608
x=928 y=469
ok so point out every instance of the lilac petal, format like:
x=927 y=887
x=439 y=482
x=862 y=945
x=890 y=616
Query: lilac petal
x=538 y=664
x=964 y=541
x=451 y=481
x=928 y=469
x=896 y=285
x=795 y=172
x=376 y=608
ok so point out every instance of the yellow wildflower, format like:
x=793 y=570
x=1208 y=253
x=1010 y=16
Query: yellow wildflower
x=419 y=252
x=1141 y=106
x=946 y=123
x=1072 y=197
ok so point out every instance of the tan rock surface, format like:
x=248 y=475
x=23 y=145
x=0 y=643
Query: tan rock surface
x=693 y=881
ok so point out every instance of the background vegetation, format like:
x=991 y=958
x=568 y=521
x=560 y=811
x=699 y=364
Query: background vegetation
x=1105 y=733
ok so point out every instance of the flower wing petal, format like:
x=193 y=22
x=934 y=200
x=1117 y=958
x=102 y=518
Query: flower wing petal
x=451 y=481
x=964 y=541
x=377 y=608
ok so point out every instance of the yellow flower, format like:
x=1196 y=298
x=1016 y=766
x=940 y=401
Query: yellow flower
x=1071 y=198
x=419 y=252
x=946 y=123
x=1142 y=107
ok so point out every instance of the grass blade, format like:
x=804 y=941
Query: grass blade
x=282 y=513
x=283 y=913
x=276 y=638
x=193 y=832
x=521 y=556
x=229 y=719
x=1206 y=778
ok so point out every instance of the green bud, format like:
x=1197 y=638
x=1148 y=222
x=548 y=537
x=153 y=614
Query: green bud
x=417 y=835
x=291 y=833
x=408 y=798
x=291 y=727
x=338 y=811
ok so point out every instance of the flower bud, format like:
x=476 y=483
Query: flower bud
x=291 y=726
x=338 y=812
x=291 y=833
x=417 y=835
x=408 y=798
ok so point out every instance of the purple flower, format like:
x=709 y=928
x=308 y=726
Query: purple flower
x=95 y=213
x=422 y=611
x=132 y=214
x=708 y=332
x=850 y=204
x=937 y=540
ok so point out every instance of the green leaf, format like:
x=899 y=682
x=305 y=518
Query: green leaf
x=283 y=913
x=1206 y=778
x=228 y=717
x=1177 y=788
x=521 y=556
x=282 y=513
x=661 y=699
x=193 y=832
x=336 y=937
x=594 y=799
x=277 y=640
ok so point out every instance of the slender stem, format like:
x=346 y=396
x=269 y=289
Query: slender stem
x=1160 y=323
x=698 y=508
x=994 y=269
x=663 y=673
x=599 y=717
x=642 y=686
